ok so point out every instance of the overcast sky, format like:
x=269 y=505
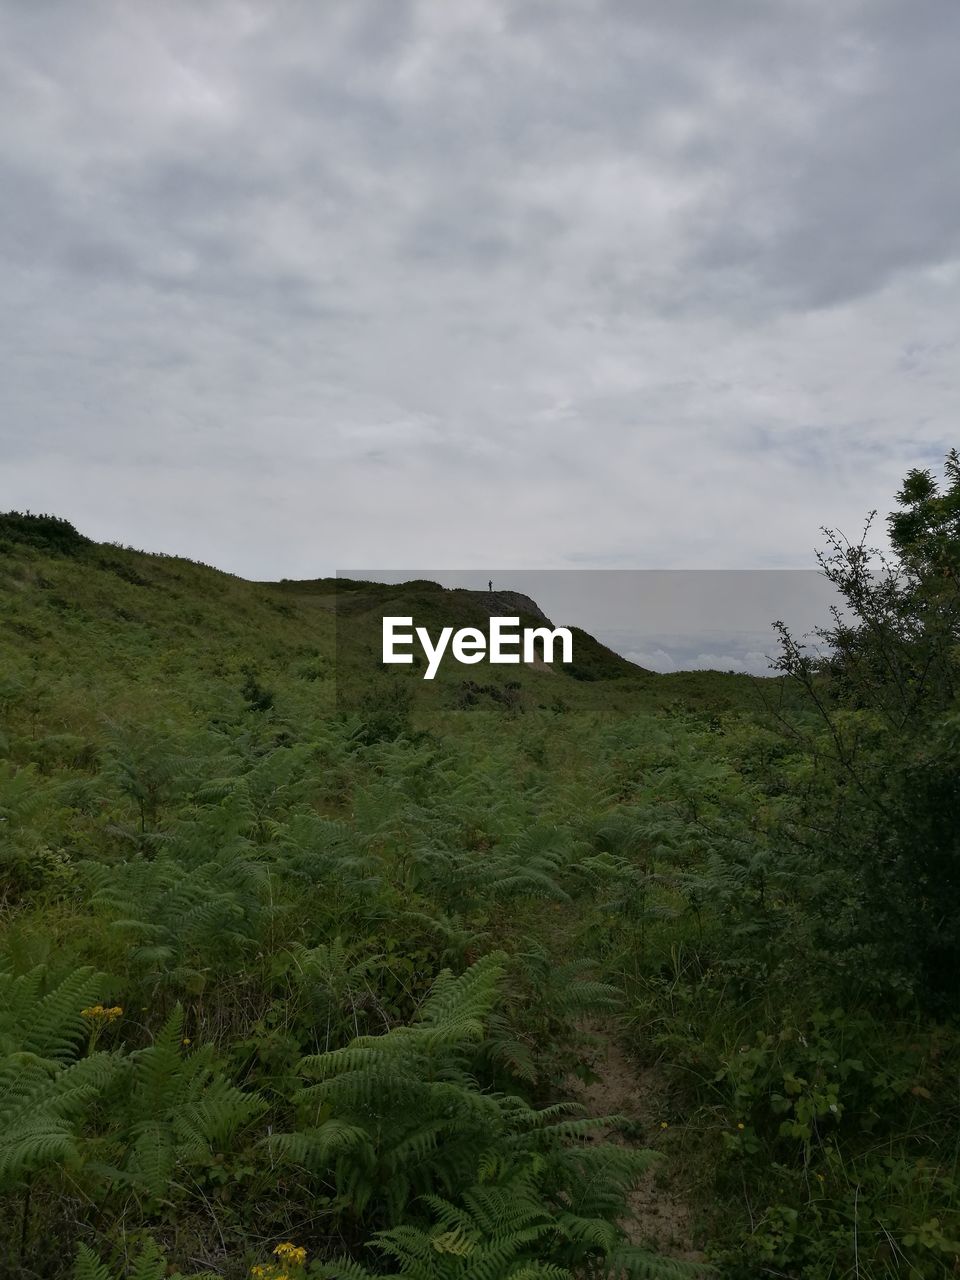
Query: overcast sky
x=547 y=283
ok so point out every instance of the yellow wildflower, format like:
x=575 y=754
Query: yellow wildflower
x=289 y=1252
x=740 y=1125
x=185 y=1040
x=290 y=1255
x=664 y=1125
x=97 y=1013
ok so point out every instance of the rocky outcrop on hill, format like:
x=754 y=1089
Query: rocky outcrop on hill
x=504 y=604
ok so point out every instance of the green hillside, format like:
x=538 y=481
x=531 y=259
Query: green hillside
x=526 y=973
x=123 y=616
x=356 y=609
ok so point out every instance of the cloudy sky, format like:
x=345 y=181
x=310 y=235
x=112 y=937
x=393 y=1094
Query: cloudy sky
x=547 y=283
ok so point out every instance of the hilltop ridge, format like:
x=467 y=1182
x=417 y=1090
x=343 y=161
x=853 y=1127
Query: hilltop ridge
x=105 y=608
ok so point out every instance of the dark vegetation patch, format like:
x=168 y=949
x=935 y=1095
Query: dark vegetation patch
x=46 y=533
x=469 y=694
x=124 y=570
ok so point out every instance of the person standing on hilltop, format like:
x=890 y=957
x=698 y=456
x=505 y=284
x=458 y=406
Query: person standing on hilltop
x=490 y=586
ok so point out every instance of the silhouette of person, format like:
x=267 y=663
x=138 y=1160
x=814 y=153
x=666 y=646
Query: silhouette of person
x=490 y=586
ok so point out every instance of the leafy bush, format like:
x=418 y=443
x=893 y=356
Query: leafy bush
x=46 y=533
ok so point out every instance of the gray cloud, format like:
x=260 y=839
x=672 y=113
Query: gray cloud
x=291 y=286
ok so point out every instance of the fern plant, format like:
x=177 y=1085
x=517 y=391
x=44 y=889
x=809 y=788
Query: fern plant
x=506 y=1228
x=172 y=1110
x=150 y=1264
x=46 y=1091
x=396 y=1117
x=182 y=920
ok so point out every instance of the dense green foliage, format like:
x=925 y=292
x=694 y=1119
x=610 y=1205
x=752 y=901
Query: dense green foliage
x=49 y=533
x=888 y=701
x=288 y=991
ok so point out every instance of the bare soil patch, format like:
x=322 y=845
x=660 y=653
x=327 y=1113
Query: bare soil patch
x=658 y=1216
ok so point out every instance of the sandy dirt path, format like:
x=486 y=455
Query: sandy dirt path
x=658 y=1217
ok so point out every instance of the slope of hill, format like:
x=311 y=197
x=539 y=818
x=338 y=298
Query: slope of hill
x=304 y=966
x=109 y=614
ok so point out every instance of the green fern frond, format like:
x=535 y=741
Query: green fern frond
x=45 y=1020
x=641 y=1264
x=179 y=1108
x=89 y=1267
x=149 y=1265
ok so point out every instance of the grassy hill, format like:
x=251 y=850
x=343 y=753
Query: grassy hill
x=122 y=615
x=305 y=971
